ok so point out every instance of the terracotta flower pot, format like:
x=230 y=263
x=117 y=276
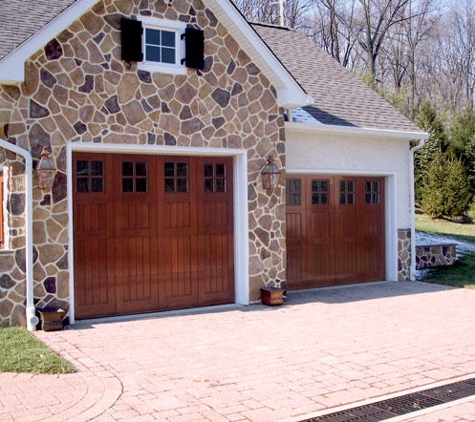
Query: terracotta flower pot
x=272 y=296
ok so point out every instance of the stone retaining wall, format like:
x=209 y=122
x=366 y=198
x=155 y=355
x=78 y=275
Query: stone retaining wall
x=430 y=256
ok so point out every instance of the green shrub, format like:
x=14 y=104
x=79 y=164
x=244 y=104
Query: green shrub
x=446 y=189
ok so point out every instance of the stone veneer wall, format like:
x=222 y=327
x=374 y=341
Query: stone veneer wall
x=404 y=254
x=78 y=89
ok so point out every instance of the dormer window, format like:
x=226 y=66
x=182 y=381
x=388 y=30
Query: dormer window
x=159 y=45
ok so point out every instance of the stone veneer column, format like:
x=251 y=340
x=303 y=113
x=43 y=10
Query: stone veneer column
x=404 y=254
x=77 y=89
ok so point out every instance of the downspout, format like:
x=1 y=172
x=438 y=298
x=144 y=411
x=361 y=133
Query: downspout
x=31 y=318
x=412 y=202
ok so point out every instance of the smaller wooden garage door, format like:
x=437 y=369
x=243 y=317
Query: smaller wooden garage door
x=335 y=230
x=151 y=233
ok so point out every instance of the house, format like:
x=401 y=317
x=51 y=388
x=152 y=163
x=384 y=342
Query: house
x=160 y=117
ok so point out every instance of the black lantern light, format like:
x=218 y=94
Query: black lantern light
x=46 y=170
x=270 y=175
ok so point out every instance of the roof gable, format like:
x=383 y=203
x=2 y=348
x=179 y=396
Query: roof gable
x=341 y=98
x=26 y=41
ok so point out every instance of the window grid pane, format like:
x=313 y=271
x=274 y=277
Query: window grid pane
x=215 y=177
x=176 y=177
x=372 y=193
x=160 y=46
x=293 y=195
x=347 y=192
x=320 y=192
x=90 y=176
x=134 y=177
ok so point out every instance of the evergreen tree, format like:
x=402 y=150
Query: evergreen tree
x=428 y=120
x=445 y=190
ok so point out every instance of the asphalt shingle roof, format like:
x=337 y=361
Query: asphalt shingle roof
x=23 y=18
x=341 y=98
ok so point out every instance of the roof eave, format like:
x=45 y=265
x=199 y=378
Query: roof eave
x=12 y=66
x=356 y=131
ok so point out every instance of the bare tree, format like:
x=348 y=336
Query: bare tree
x=331 y=26
x=463 y=29
x=405 y=39
x=268 y=11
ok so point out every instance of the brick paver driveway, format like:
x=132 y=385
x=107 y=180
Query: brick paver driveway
x=324 y=348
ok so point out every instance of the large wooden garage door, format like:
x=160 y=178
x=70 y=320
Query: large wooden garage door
x=151 y=233
x=335 y=230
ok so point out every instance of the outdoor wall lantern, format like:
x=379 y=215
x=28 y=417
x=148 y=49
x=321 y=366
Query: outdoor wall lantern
x=46 y=170
x=270 y=175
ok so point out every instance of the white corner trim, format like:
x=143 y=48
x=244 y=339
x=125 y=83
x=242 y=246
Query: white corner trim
x=354 y=131
x=12 y=66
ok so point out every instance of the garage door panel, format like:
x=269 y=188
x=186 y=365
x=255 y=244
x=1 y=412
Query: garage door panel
x=215 y=267
x=92 y=219
x=340 y=230
x=92 y=279
x=178 y=284
x=177 y=216
x=319 y=265
x=149 y=225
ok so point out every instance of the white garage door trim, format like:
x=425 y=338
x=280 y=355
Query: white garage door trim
x=241 y=224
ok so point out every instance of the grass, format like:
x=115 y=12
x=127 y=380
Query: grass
x=448 y=228
x=21 y=352
x=462 y=273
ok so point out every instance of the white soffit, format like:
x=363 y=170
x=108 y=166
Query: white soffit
x=292 y=127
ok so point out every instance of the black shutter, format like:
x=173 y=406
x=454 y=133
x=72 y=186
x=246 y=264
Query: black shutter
x=194 y=39
x=131 y=40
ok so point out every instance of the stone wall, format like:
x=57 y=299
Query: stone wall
x=430 y=256
x=404 y=254
x=78 y=89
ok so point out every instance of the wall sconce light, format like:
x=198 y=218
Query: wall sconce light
x=270 y=175
x=46 y=170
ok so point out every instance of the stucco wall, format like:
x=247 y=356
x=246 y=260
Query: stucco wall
x=351 y=154
x=77 y=89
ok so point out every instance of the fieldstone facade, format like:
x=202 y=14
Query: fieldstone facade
x=78 y=89
x=404 y=254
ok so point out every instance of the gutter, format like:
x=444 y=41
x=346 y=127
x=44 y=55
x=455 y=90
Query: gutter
x=31 y=318
x=413 y=271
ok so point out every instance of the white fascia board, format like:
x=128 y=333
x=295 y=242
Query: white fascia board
x=292 y=127
x=289 y=93
x=12 y=66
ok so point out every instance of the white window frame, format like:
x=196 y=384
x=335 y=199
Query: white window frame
x=164 y=25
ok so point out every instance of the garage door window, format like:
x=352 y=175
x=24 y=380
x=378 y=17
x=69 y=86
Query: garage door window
x=215 y=177
x=372 y=193
x=176 y=177
x=134 y=177
x=347 y=192
x=90 y=176
x=320 y=192
x=293 y=189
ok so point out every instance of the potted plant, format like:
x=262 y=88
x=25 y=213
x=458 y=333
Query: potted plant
x=51 y=318
x=273 y=296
